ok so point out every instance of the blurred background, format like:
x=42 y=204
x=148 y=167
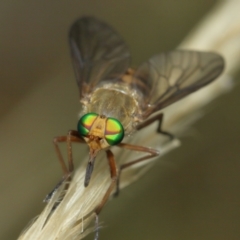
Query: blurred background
x=191 y=193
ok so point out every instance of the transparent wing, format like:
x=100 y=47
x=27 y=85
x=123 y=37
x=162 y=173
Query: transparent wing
x=168 y=77
x=98 y=53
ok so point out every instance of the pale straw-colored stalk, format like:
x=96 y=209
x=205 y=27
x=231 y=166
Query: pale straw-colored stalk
x=220 y=32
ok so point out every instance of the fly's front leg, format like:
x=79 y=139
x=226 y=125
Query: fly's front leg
x=72 y=136
x=97 y=210
x=113 y=174
x=151 y=153
x=159 y=118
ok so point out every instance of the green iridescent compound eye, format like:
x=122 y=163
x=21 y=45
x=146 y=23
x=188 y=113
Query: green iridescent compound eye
x=85 y=123
x=114 y=131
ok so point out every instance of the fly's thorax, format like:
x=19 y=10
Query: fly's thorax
x=116 y=104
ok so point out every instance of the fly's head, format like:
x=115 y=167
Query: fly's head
x=99 y=132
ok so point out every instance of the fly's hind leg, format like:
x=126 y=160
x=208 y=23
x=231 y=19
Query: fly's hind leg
x=72 y=136
x=159 y=118
x=151 y=153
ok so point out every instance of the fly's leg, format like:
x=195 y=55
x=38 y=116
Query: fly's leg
x=151 y=153
x=113 y=174
x=158 y=117
x=96 y=227
x=72 y=136
x=97 y=210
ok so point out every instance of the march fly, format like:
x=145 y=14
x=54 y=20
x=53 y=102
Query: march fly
x=118 y=100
